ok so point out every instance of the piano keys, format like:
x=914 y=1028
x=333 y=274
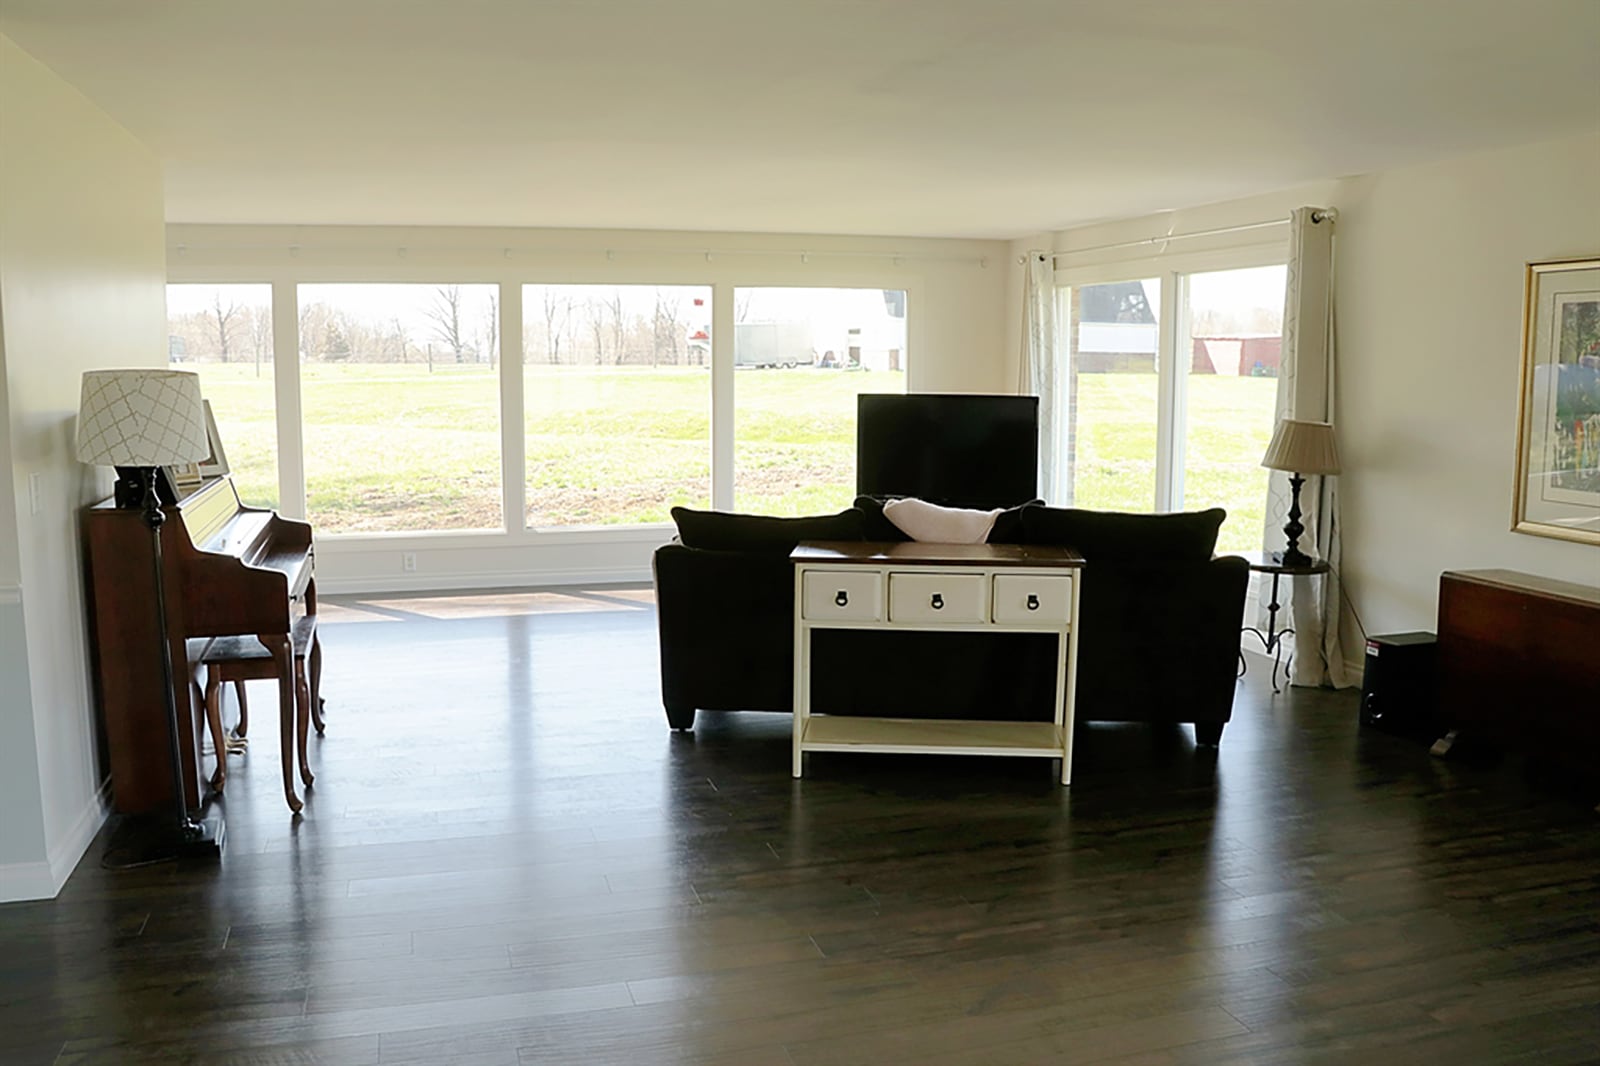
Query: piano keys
x=229 y=570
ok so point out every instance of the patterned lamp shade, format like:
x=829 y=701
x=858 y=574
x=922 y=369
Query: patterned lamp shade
x=141 y=418
x=1302 y=448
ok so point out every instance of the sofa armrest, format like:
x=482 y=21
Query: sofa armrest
x=726 y=628
x=1160 y=641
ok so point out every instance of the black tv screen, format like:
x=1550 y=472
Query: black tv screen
x=954 y=450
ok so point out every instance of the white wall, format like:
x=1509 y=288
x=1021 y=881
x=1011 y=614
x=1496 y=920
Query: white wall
x=955 y=333
x=1429 y=318
x=22 y=838
x=82 y=269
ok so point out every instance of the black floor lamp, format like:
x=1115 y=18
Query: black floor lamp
x=140 y=421
x=1300 y=448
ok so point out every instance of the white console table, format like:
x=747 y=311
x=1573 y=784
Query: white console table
x=978 y=588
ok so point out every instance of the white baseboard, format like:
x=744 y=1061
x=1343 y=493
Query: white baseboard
x=21 y=881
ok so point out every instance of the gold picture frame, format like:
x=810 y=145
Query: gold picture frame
x=1557 y=491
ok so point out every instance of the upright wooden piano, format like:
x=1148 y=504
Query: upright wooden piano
x=229 y=570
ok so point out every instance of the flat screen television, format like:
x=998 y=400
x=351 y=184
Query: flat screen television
x=954 y=450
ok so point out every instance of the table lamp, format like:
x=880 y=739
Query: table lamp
x=1300 y=448
x=138 y=421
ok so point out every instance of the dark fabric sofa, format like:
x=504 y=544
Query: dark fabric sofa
x=1158 y=627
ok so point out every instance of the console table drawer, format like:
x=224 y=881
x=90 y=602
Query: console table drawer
x=842 y=596
x=1037 y=599
x=954 y=599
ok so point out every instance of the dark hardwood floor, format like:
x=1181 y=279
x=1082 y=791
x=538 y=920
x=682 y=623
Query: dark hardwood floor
x=507 y=858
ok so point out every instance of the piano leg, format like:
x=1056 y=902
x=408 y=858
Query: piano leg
x=213 y=705
x=315 y=655
x=283 y=656
x=302 y=719
x=316 y=683
x=243 y=728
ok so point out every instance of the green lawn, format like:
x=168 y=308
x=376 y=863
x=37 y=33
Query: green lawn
x=392 y=447
x=1230 y=422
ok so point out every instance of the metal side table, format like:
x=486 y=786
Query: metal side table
x=1272 y=639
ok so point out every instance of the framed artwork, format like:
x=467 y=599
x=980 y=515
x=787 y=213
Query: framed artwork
x=1558 y=410
x=215 y=464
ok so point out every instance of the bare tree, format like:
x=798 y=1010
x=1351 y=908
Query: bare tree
x=397 y=339
x=224 y=322
x=596 y=310
x=445 y=314
x=193 y=333
x=314 y=319
x=258 y=320
x=367 y=338
x=574 y=333
x=619 y=327
x=557 y=309
x=335 y=342
x=491 y=326
x=741 y=303
x=665 y=327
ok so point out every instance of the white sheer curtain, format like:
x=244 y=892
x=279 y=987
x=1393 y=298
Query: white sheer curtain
x=1040 y=373
x=1305 y=390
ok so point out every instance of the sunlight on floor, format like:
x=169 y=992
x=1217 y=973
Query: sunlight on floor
x=484 y=605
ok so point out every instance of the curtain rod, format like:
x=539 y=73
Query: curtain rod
x=400 y=251
x=1320 y=215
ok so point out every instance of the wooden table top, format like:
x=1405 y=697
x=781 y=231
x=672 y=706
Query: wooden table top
x=879 y=553
x=1272 y=563
x=1520 y=582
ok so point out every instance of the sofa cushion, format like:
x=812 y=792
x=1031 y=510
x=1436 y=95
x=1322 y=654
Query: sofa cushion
x=1008 y=525
x=931 y=523
x=1114 y=536
x=725 y=531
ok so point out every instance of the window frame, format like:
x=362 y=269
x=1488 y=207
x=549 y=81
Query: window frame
x=1173 y=271
x=292 y=266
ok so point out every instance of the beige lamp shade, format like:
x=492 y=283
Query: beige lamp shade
x=141 y=418
x=1302 y=448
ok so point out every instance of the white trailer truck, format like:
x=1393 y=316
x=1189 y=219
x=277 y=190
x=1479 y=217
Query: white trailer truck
x=773 y=344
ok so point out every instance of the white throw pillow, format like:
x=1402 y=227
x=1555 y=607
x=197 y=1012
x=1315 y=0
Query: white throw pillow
x=932 y=524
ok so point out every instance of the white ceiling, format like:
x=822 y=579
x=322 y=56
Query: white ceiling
x=953 y=118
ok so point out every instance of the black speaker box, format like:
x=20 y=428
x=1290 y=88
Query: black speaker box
x=1398 y=685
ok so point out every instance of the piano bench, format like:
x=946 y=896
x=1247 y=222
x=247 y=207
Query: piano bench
x=247 y=658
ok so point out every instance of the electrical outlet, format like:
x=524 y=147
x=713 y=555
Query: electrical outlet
x=408 y=562
x=35 y=493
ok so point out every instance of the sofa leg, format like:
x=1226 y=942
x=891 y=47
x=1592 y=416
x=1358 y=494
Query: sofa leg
x=1208 y=734
x=680 y=717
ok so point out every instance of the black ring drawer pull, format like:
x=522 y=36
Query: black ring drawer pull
x=842 y=598
x=937 y=601
x=1033 y=602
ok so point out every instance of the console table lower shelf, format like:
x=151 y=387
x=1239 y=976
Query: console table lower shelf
x=979 y=588
x=924 y=736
